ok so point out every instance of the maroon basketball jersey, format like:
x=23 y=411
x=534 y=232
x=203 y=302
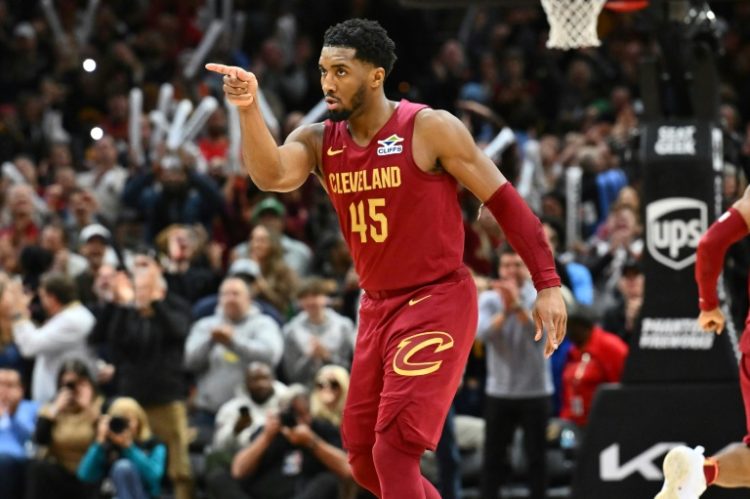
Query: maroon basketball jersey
x=403 y=226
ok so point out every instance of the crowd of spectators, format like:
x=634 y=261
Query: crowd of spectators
x=159 y=311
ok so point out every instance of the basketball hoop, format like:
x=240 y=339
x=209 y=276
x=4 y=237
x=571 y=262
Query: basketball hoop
x=572 y=23
x=626 y=5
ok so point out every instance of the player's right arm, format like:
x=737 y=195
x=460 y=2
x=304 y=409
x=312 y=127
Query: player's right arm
x=732 y=226
x=271 y=167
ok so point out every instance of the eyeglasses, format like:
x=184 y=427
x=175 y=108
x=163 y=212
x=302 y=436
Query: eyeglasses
x=332 y=385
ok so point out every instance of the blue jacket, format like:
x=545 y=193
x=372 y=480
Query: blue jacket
x=17 y=430
x=149 y=461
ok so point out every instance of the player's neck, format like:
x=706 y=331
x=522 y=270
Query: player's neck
x=366 y=124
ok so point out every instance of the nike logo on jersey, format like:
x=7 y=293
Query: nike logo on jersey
x=334 y=152
x=413 y=302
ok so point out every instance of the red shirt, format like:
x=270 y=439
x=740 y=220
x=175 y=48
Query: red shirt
x=213 y=148
x=403 y=226
x=601 y=360
x=27 y=237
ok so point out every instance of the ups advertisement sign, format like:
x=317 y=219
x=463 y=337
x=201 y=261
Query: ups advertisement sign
x=682 y=172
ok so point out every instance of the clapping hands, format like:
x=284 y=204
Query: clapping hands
x=14 y=302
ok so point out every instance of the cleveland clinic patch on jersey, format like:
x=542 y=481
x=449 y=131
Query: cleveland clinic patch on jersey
x=390 y=145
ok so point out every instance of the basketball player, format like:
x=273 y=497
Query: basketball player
x=391 y=170
x=686 y=472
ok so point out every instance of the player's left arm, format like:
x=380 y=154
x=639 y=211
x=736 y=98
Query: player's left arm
x=732 y=226
x=441 y=139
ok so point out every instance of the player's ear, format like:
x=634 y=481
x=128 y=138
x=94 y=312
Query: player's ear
x=377 y=77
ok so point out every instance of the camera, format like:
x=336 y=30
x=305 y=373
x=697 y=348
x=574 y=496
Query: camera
x=70 y=385
x=118 y=424
x=288 y=418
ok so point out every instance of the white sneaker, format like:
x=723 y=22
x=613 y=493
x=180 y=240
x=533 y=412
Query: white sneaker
x=683 y=474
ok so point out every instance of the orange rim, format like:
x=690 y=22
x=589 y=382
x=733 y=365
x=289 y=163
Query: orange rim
x=626 y=5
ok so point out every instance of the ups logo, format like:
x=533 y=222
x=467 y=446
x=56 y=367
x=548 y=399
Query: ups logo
x=673 y=229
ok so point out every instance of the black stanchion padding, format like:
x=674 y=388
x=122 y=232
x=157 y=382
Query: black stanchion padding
x=633 y=427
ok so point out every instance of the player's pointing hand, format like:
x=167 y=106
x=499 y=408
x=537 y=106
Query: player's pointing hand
x=240 y=86
x=550 y=313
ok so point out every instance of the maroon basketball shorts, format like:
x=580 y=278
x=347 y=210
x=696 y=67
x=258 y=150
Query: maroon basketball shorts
x=409 y=358
x=745 y=387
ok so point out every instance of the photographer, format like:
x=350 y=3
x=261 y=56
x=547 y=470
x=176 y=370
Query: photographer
x=292 y=456
x=126 y=452
x=144 y=327
x=65 y=428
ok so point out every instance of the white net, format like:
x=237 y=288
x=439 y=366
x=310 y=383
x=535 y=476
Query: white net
x=572 y=23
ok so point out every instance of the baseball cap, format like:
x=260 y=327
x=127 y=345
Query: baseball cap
x=269 y=204
x=244 y=267
x=94 y=230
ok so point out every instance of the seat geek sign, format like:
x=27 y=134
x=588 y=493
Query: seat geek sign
x=675 y=140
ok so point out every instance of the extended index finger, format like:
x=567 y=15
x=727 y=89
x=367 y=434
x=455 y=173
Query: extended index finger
x=221 y=69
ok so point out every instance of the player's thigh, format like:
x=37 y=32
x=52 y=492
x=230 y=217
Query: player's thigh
x=425 y=356
x=365 y=384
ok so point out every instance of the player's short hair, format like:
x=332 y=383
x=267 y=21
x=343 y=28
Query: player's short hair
x=368 y=38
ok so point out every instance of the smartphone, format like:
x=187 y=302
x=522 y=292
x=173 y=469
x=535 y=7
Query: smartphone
x=288 y=418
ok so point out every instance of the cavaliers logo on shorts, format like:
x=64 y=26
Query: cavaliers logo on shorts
x=433 y=341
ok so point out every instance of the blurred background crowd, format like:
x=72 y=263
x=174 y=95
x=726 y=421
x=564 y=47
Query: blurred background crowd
x=168 y=330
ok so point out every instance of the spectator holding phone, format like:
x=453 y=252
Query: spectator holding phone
x=192 y=268
x=238 y=419
x=293 y=455
x=126 y=451
x=65 y=429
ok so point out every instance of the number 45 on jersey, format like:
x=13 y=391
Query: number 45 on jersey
x=375 y=224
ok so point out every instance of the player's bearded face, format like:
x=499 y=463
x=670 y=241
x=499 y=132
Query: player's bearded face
x=344 y=112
